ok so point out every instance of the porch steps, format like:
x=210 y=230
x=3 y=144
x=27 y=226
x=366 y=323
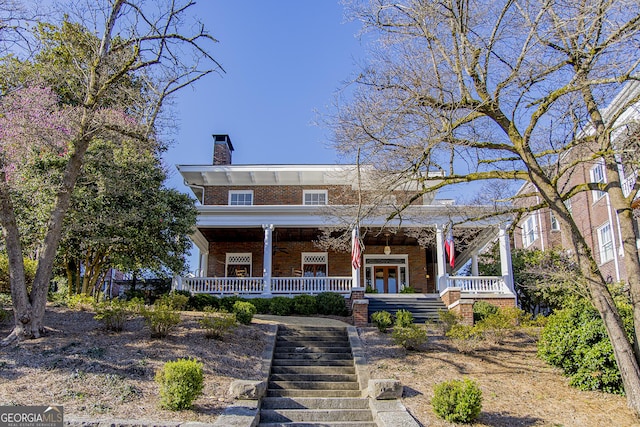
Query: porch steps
x=313 y=381
x=423 y=307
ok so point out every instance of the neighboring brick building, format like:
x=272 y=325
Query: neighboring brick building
x=263 y=230
x=591 y=210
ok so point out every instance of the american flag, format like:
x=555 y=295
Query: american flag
x=356 y=252
x=448 y=247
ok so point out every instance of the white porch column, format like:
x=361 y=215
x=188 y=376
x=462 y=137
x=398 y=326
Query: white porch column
x=505 y=258
x=268 y=251
x=204 y=264
x=442 y=270
x=474 y=264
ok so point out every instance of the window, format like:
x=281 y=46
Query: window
x=567 y=203
x=597 y=176
x=240 y=197
x=314 y=264
x=529 y=231
x=238 y=265
x=605 y=243
x=555 y=225
x=314 y=197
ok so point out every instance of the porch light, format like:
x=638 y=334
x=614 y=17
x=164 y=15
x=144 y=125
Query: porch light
x=387 y=248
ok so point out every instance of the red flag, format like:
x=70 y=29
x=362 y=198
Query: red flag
x=448 y=247
x=356 y=252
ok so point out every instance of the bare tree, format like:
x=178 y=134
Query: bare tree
x=503 y=91
x=154 y=44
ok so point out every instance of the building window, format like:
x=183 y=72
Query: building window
x=529 y=231
x=567 y=203
x=241 y=197
x=314 y=197
x=555 y=225
x=605 y=243
x=238 y=265
x=597 y=176
x=314 y=264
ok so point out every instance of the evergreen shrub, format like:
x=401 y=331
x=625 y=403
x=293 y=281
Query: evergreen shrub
x=281 y=306
x=404 y=318
x=244 y=311
x=382 y=320
x=198 y=302
x=411 y=337
x=331 y=303
x=457 y=401
x=482 y=309
x=305 y=305
x=181 y=382
x=216 y=323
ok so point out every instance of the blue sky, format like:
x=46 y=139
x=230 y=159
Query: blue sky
x=284 y=60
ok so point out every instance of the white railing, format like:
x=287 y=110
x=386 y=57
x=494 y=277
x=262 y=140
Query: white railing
x=478 y=284
x=310 y=285
x=223 y=285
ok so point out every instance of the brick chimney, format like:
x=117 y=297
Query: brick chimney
x=222 y=149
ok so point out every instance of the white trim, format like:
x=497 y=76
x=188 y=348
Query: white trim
x=601 y=245
x=369 y=265
x=322 y=259
x=529 y=231
x=238 y=192
x=599 y=166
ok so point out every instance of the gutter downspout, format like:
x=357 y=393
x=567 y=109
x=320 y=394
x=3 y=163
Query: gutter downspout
x=199 y=187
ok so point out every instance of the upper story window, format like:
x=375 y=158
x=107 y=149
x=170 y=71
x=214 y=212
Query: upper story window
x=529 y=231
x=314 y=197
x=605 y=243
x=241 y=197
x=597 y=176
x=555 y=225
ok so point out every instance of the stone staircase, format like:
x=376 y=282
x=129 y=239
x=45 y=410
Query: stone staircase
x=313 y=381
x=424 y=307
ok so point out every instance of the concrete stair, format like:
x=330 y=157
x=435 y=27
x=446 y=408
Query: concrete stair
x=424 y=307
x=313 y=381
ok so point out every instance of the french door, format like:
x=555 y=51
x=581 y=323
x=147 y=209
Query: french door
x=386 y=279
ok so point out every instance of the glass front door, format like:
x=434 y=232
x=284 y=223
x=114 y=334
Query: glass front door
x=386 y=279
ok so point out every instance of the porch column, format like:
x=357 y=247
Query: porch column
x=442 y=271
x=268 y=250
x=505 y=258
x=474 y=264
x=204 y=264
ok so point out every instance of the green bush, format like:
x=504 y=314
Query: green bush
x=114 y=313
x=447 y=319
x=576 y=341
x=457 y=401
x=382 y=320
x=181 y=382
x=495 y=326
x=161 y=319
x=305 y=305
x=404 y=318
x=5 y=300
x=182 y=292
x=174 y=300
x=370 y=290
x=281 y=306
x=80 y=302
x=412 y=337
x=262 y=305
x=407 y=290
x=244 y=311
x=198 y=302
x=216 y=324
x=226 y=303
x=331 y=303
x=482 y=309
x=466 y=337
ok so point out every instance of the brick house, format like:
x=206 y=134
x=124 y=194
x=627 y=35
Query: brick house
x=266 y=230
x=591 y=210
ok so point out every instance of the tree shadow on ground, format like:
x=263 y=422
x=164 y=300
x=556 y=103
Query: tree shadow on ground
x=410 y=392
x=498 y=419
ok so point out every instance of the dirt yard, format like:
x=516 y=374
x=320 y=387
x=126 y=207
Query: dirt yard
x=100 y=374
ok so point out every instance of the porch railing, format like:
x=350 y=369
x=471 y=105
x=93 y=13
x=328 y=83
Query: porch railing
x=255 y=285
x=310 y=285
x=223 y=285
x=478 y=284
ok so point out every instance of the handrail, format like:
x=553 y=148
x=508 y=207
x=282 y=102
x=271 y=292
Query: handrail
x=223 y=285
x=310 y=285
x=255 y=285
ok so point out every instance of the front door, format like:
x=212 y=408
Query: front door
x=386 y=279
